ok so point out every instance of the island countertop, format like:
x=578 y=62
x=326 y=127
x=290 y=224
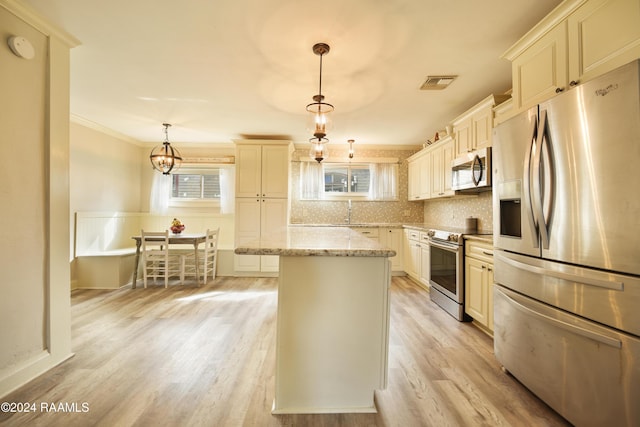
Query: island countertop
x=315 y=241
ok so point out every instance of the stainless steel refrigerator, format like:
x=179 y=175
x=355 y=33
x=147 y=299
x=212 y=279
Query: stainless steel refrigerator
x=566 y=201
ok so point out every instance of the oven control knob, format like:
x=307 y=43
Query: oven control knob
x=453 y=237
x=431 y=233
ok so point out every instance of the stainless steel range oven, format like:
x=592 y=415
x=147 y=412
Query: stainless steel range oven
x=446 y=274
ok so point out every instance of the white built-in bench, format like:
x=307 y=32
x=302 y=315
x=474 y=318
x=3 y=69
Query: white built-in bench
x=105 y=252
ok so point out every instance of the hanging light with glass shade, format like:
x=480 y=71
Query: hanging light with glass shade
x=352 y=151
x=318 y=150
x=165 y=158
x=319 y=109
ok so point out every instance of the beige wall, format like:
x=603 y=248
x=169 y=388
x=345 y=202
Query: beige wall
x=34 y=292
x=105 y=172
x=335 y=212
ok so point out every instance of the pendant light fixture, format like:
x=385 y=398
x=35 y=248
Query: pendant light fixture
x=351 y=149
x=318 y=150
x=165 y=158
x=319 y=109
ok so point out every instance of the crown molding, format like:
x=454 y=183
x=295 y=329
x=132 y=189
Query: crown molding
x=33 y=18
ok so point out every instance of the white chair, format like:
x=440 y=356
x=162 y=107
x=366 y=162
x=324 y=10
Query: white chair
x=208 y=257
x=157 y=261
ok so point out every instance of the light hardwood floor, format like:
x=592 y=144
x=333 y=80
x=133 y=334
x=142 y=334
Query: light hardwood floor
x=189 y=356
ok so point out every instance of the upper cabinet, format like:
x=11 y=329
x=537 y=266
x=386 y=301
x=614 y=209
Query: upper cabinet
x=441 y=157
x=603 y=35
x=578 y=40
x=541 y=71
x=262 y=170
x=430 y=171
x=473 y=128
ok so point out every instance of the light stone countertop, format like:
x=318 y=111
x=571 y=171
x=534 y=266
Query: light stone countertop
x=485 y=238
x=316 y=241
x=353 y=225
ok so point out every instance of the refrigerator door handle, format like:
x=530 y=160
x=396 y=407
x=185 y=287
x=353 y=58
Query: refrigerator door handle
x=612 y=342
x=543 y=226
x=533 y=221
x=585 y=280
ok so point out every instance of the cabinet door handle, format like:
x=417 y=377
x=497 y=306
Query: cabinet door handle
x=559 y=89
x=484 y=267
x=573 y=83
x=487 y=253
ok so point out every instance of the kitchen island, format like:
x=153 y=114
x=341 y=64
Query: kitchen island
x=333 y=318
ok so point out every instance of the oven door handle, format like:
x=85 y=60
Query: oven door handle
x=444 y=246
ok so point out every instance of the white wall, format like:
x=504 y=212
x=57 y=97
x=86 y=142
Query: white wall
x=35 y=329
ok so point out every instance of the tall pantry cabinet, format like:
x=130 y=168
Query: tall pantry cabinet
x=262 y=198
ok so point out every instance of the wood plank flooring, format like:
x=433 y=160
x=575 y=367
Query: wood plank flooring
x=189 y=356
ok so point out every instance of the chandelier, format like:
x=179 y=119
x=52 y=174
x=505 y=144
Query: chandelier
x=165 y=158
x=319 y=112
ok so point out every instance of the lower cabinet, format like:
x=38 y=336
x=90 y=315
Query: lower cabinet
x=255 y=217
x=478 y=281
x=392 y=238
x=416 y=256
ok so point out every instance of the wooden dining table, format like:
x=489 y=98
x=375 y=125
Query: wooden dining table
x=174 y=239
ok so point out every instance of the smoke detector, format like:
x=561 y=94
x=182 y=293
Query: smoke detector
x=437 y=82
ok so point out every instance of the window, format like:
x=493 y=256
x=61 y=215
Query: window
x=196 y=186
x=377 y=180
x=346 y=179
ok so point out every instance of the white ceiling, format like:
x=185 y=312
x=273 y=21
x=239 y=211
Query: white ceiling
x=229 y=69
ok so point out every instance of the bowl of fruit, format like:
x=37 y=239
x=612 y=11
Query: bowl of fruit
x=176 y=226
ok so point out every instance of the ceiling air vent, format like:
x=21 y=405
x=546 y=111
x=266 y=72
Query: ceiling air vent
x=437 y=82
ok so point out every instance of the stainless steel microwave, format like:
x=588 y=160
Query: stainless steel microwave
x=472 y=171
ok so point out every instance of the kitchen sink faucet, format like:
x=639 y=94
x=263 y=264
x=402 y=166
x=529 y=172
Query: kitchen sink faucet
x=348 y=220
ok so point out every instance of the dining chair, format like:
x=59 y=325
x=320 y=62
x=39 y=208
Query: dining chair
x=207 y=257
x=157 y=261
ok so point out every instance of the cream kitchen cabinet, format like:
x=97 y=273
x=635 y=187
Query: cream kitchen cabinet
x=478 y=283
x=577 y=41
x=430 y=171
x=262 y=170
x=441 y=157
x=474 y=127
x=262 y=204
x=370 y=232
x=416 y=259
x=411 y=249
x=255 y=218
x=603 y=35
x=541 y=71
x=419 y=180
x=392 y=238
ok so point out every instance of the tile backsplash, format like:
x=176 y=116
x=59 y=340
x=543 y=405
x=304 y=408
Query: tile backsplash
x=453 y=212
x=450 y=212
